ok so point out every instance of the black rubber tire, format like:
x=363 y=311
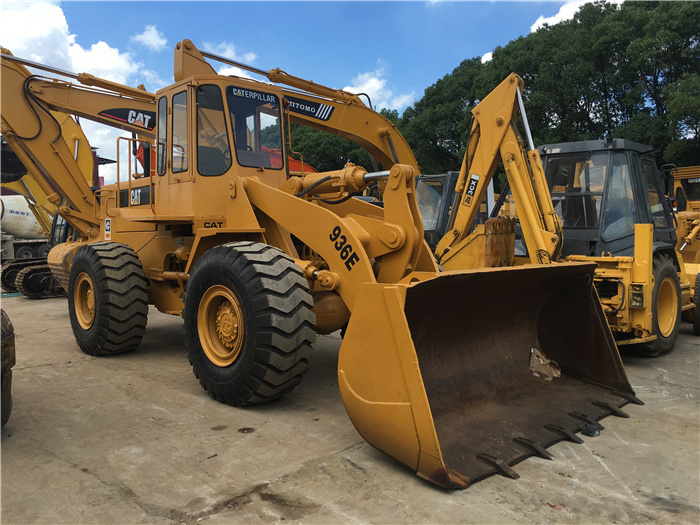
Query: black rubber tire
x=120 y=296
x=275 y=304
x=24 y=252
x=42 y=250
x=696 y=310
x=663 y=269
x=8 y=352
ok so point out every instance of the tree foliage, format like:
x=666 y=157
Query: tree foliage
x=629 y=71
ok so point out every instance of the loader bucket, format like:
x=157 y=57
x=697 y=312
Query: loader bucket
x=469 y=373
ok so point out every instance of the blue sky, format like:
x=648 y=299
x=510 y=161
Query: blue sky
x=391 y=50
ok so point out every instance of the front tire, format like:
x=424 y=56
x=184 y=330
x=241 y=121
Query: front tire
x=666 y=307
x=248 y=323
x=107 y=299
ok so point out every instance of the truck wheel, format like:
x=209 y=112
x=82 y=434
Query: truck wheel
x=42 y=250
x=8 y=360
x=696 y=310
x=248 y=323
x=666 y=307
x=107 y=299
x=24 y=252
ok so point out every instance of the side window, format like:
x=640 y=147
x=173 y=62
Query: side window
x=213 y=152
x=681 y=200
x=162 y=134
x=179 y=140
x=620 y=213
x=651 y=180
x=257 y=133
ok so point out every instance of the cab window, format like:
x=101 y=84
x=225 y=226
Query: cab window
x=576 y=183
x=213 y=152
x=257 y=133
x=651 y=180
x=162 y=134
x=179 y=148
x=620 y=213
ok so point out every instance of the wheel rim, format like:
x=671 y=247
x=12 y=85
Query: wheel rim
x=220 y=325
x=667 y=307
x=84 y=300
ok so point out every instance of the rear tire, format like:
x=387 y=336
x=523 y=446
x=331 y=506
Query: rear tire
x=666 y=307
x=248 y=323
x=107 y=299
x=696 y=310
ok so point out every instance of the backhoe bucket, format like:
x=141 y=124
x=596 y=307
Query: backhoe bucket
x=469 y=373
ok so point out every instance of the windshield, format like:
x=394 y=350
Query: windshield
x=576 y=183
x=255 y=119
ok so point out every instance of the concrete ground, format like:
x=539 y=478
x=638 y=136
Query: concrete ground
x=134 y=439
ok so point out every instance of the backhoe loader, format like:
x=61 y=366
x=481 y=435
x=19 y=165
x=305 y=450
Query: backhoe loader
x=434 y=369
x=623 y=225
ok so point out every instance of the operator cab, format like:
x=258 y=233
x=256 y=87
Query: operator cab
x=600 y=190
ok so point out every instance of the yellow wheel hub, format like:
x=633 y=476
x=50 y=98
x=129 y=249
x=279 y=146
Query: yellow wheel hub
x=220 y=325
x=667 y=307
x=84 y=301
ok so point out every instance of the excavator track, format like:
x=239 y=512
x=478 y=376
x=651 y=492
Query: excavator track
x=37 y=282
x=10 y=269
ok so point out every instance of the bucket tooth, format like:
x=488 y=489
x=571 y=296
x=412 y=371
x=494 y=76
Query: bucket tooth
x=501 y=466
x=612 y=408
x=628 y=397
x=564 y=433
x=586 y=419
x=538 y=449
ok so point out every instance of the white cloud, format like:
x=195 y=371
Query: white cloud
x=374 y=84
x=151 y=38
x=39 y=32
x=487 y=57
x=566 y=12
x=228 y=50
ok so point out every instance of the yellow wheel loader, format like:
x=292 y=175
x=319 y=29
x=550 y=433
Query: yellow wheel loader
x=435 y=368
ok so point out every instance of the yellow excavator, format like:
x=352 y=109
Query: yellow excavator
x=457 y=374
x=32 y=276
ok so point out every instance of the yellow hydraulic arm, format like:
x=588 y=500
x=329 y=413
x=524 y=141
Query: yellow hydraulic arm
x=39 y=204
x=331 y=110
x=33 y=132
x=494 y=137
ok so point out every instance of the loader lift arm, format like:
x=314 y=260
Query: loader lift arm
x=494 y=137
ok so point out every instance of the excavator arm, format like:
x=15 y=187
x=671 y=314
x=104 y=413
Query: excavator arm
x=495 y=137
x=33 y=132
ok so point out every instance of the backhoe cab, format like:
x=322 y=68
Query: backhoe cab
x=435 y=369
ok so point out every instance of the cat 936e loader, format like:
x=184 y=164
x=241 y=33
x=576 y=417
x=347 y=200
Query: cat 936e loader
x=458 y=375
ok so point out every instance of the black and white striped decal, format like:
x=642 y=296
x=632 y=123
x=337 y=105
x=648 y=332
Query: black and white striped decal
x=308 y=108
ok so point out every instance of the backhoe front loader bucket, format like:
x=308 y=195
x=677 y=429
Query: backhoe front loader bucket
x=469 y=373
